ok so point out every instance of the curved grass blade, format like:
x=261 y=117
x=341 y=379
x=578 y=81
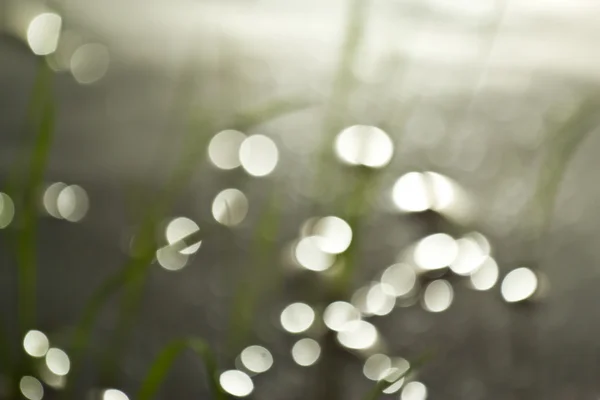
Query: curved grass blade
x=26 y=239
x=562 y=148
x=164 y=362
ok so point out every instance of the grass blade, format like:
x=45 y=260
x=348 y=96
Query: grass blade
x=26 y=239
x=167 y=357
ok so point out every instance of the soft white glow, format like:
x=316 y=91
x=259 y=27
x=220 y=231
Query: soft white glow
x=379 y=299
x=435 y=251
x=486 y=276
x=469 y=257
x=377 y=366
x=414 y=391
x=89 y=63
x=396 y=374
x=444 y=191
x=51 y=379
x=306 y=352
x=236 y=383
x=333 y=234
x=259 y=155
x=50 y=198
x=43 y=33
x=180 y=228
x=36 y=343
x=438 y=296
x=519 y=284
x=297 y=317
x=310 y=256
x=31 y=388
x=58 y=362
x=171 y=259
x=399 y=279
x=338 y=313
x=7 y=210
x=357 y=335
x=256 y=359
x=230 y=207
x=72 y=203
x=224 y=149
x=364 y=145
x=114 y=394
x=411 y=193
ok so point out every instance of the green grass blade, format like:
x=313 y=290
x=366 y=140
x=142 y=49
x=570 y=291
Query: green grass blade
x=26 y=239
x=255 y=280
x=167 y=357
x=561 y=149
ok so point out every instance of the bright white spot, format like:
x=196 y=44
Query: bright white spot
x=438 y=296
x=310 y=256
x=486 y=276
x=31 y=388
x=43 y=33
x=51 y=198
x=72 y=203
x=364 y=145
x=444 y=191
x=416 y=192
x=377 y=366
x=399 y=279
x=89 y=63
x=7 y=210
x=171 y=259
x=481 y=241
x=519 y=285
x=435 y=251
x=339 y=313
x=411 y=193
x=359 y=299
x=256 y=359
x=306 y=352
x=470 y=257
x=333 y=234
x=396 y=374
x=180 y=228
x=58 y=362
x=379 y=300
x=230 y=207
x=114 y=394
x=414 y=391
x=297 y=317
x=357 y=335
x=224 y=149
x=236 y=383
x=36 y=344
x=259 y=155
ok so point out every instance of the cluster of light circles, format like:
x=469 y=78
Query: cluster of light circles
x=65 y=50
x=321 y=240
x=421 y=191
x=364 y=145
x=257 y=154
x=68 y=202
x=175 y=255
x=253 y=360
x=53 y=371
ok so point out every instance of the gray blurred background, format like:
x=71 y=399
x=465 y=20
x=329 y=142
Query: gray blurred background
x=468 y=89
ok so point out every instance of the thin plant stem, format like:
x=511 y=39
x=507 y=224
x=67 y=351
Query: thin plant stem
x=253 y=282
x=164 y=361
